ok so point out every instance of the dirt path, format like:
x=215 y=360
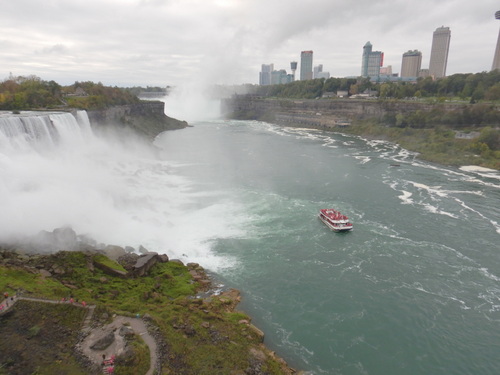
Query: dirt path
x=116 y=348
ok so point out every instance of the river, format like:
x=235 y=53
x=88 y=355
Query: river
x=413 y=289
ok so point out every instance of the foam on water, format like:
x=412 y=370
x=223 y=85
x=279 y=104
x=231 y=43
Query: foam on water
x=405 y=197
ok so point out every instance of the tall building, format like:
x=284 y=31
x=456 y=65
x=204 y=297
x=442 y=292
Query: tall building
x=424 y=73
x=319 y=73
x=496 y=59
x=280 y=77
x=293 y=67
x=265 y=74
x=439 y=52
x=411 y=64
x=386 y=70
x=306 y=65
x=371 y=61
x=317 y=69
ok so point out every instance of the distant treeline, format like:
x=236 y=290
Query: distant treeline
x=31 y=92
x=473 y=87
x=137 y=90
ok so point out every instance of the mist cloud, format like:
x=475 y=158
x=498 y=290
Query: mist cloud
x=141 y=42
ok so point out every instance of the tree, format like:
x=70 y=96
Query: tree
x=493 y=93
x=490 y=137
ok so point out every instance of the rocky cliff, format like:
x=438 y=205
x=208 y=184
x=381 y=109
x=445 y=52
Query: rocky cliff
x=320 y=112
x=146 y=118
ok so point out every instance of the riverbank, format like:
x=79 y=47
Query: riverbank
x=439 y=145
x=408 y=124
x=194 y=334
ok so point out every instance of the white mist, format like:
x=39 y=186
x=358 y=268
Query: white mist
x=114 y=189
x=192 y=103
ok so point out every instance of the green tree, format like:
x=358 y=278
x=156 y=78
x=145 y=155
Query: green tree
x=490 y=137
x=493 y=93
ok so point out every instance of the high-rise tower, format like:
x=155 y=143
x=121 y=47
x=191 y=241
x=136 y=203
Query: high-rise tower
x=293 y=67
x=371 y=61
x=265 y=74
x=411 y=64
x=306 y=65
x=496 y=59
x=439 y=52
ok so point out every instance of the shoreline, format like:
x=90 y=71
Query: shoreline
x=208 y=291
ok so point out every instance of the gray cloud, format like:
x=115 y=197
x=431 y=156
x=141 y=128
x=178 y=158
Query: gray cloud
x=158 y=42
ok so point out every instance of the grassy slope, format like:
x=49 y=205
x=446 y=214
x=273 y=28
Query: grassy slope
x=201 y=336
x=40 y=339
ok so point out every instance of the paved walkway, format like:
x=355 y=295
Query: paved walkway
x=118 y=345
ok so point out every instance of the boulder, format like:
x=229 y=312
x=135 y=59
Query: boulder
x=114 y=252
x=143 y=250
x=129 y=249
x=257 y=332
x=144 y=264
x=103 y=342
x=65 y=238
x=128 y=260
x=126 y=331
x=58 y=239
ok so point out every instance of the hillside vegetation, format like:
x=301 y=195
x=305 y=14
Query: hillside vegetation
x=468 y=87
x=197 y=335
x=31 y=92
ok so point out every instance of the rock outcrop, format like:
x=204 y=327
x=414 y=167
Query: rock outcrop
x=146 y=118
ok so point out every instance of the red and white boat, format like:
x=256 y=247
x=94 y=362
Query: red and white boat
x=334 y=220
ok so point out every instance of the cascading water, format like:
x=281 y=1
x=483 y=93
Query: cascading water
x=54 y=172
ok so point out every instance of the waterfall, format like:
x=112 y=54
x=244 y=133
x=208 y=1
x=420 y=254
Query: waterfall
x=109 y=186
x=39 y=131
x=45 y=169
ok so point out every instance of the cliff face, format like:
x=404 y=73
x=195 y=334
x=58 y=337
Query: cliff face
x=324 y=113
x=146 y=118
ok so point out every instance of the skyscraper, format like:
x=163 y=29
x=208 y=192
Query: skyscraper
x=293 y=66
x=411 y=64
x=317 y=69
x=306 y=65
x=265 y=74
x=496 y=59
x=439 y=52
x=371 y=61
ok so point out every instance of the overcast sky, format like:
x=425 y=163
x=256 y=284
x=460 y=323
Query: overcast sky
x=168 y=42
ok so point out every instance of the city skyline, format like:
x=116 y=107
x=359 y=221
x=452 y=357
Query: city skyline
x=157 y=42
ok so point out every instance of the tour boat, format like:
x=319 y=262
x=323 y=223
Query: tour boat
x=334 y=220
